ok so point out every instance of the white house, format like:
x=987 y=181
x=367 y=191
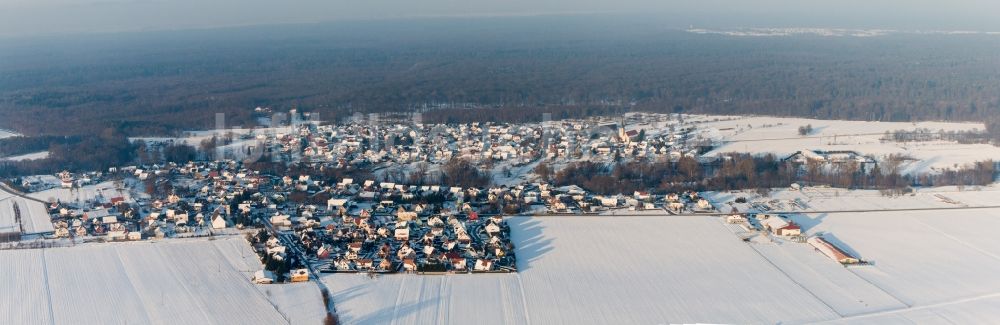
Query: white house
x=483 y=265
x=458 y=263
x=218 y=222
x=735 y=218
x=402 y=234
x=335 y=203
x=263 y=277
x=281 y=220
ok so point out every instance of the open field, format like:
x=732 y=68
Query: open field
x=416 y=299
x=30 y=156
x=176 y=282
x=940 y=263
x=779 y=136
x=818 y=199
x=7 y=134
x=920 y=257
x=591 y=270
x=107 y=190
x=928 y=266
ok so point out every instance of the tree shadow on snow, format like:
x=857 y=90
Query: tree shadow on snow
x=388 y=314
x=831 y=238
x=807 y=222
x=529 y=242
x=349 y=293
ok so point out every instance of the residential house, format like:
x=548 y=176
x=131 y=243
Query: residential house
x=300 y=275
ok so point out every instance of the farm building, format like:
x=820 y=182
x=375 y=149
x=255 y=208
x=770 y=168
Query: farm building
x=831 y=251
x=736 y=218
x=781 y=227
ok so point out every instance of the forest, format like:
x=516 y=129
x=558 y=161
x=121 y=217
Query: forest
x=69 y=95
x=97 y=152
x=513 y=69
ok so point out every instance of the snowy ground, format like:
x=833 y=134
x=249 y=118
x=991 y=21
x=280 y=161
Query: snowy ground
x=7 y=133
x=107 y=190
x=34 y=215
x=929 y=266
x=940 y=264
x=299 y=303
x=594 y=270
x=943 y=264
x=30 y=156
x=415 y=299
x=780 y=136
x=194 y=138
x=982 y=310
x=818 y=199
x=920 y=257
x=170 y=282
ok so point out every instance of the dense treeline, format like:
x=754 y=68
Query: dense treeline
x=685 y=174
x=179 y=153
x=107 y=148
x=993 y=130
x=518 y=114
x=460 y=172
x=741 y=171
x=21 y=145
x=159 y=83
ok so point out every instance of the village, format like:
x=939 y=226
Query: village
x=300 y=225
x=400 y=216
x=353 y=226
x=320 y=210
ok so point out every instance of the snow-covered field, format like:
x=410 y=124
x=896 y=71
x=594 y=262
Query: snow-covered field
x=981 y=310
x=842 y=290
x=34 y=215
x=171 y=282
x=299 y=303
x=780 y=136
x=7 y=134
x=30 y=156
x=195 y=138
x=416 y=299
x=596 y=270
x=935 y=266
x=107 y=190
x=819 y=199
x=921 y=257
x=941 y=264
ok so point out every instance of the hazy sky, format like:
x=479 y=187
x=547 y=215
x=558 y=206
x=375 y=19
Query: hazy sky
x=21 y=18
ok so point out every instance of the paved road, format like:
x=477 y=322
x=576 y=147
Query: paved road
x=293 y=246
x=12 y=191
